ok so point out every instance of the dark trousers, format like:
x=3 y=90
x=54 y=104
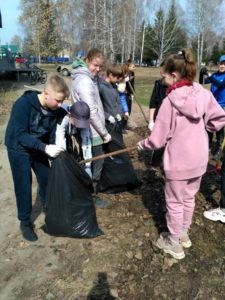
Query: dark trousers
x=129 y=102
x=21 y=164
x=97 y=166
x=219 y=138
x=222 y=199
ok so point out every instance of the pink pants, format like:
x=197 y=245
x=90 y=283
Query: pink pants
x=180 y=202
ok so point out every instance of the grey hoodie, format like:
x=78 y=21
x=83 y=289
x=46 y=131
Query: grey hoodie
x=85 y=88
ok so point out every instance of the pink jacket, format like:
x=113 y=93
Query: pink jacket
x=185 y=115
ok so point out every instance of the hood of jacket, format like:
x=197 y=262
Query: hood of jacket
x=78 y=62
x=83 y=71
x=189 y=100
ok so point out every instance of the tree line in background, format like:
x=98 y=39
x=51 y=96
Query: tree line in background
x=143 y=30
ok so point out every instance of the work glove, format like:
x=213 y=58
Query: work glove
x=151 y=125
x=88 y=169
x=139 y=146
x=118 y=117
x=111 y=120
x=107 y=138
x=53 y=150
x=126 y=116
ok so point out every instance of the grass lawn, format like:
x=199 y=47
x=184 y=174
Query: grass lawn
x=144 y=82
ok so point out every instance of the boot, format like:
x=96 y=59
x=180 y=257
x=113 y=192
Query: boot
x=27 y=229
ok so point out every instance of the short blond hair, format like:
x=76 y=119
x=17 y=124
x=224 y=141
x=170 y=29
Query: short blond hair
x=58 y=85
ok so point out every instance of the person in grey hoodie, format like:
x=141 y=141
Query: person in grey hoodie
x=85 y=88
x=181 y=127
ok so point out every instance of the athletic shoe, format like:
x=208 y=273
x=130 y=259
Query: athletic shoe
x=185 y=241
x=215 y=214
x=175 y=250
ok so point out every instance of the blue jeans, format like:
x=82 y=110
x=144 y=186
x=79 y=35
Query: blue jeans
x=21 y=164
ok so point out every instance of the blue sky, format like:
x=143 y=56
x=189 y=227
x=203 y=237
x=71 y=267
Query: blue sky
x=10 y=12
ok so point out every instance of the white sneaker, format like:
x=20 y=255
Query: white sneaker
x=215 y=215
x=175 y=250
x=185 y=241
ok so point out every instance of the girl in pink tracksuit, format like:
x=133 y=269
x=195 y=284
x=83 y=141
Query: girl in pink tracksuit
x=186 y=114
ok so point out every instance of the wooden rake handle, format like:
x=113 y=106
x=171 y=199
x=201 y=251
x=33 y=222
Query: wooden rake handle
x=114 y=153
x=135 y=98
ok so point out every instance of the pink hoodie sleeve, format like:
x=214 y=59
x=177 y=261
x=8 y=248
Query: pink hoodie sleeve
x=162 y=128
x=214 y=116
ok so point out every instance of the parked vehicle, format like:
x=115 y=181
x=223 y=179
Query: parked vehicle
x=65 y=69
x=21 y=60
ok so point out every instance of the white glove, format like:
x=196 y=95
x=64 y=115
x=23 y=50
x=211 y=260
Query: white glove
x=151 y=125
x=107 y=138
x=118 y=117
x=111 y=120
x=88 y=169
x=53 y=150
x=127 y=79
x=126 y=115
x=139 y=146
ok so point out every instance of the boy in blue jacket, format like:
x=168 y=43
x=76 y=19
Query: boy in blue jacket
x=217 y=81
x=30 y=138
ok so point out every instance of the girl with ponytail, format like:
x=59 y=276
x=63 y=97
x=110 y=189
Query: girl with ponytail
x=187 y=112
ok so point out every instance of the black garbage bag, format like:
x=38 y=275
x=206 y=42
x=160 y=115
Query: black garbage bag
x=118 y=174
x=70 y=209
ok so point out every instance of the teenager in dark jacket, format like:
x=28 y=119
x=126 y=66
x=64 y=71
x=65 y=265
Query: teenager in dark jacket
x=158 y=94
x=29 y=139
x=110 y=96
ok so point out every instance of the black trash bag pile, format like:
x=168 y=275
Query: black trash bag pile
x=70 y=209
x=118 y=174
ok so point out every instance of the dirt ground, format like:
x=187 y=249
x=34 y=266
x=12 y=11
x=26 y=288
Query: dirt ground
x=124 y=262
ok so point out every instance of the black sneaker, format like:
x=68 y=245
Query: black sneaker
x=216 y=155
x=27 y=229
x=100 y=203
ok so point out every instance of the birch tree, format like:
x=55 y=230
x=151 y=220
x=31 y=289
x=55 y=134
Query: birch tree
x=39 y=22
x=165 y=35
x=202 y=20
x=111 y=26
x=71 y=23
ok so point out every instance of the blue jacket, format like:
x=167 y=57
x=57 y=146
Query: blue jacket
x=31 y=126
x=218 y=86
